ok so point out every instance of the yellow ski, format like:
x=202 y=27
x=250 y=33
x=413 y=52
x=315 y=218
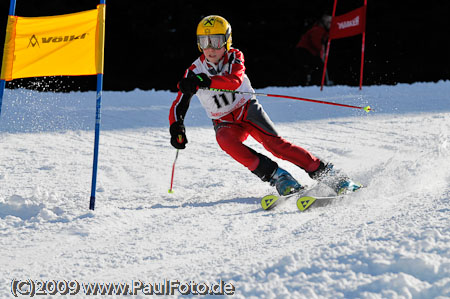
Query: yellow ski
x=303 y=203
x=268 y=202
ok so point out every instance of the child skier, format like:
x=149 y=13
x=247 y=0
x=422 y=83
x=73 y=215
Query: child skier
x=237 y=116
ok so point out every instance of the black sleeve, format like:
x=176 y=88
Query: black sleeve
x=185 y=100
x=183 y=106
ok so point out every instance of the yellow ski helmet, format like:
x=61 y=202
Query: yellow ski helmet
x=213 y=31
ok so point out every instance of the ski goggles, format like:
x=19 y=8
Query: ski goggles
x=215 y=41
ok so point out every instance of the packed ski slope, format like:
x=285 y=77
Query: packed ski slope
x=390 y=240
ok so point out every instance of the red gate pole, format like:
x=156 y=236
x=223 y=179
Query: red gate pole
x=363 y=45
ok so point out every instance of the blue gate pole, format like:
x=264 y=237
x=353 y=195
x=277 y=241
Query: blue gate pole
x=2 y=91
x=97 y=139
x=12 y=12
x=97 y=135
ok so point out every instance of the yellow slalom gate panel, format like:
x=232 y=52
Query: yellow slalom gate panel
x=8 y=51
x=70 y=44
x=100 y=38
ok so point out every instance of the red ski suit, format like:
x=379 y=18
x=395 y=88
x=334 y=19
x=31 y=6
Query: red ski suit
x=236 y=116
x=314 y=40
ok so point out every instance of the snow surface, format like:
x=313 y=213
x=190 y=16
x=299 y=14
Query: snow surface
x=390 y=240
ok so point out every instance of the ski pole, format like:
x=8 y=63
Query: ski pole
x=366 y=108
x=180 y=138
x=173 y=172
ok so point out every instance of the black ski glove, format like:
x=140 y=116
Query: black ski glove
x=178 y=135
x=191 y=84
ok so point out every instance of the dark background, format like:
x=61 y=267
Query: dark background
x=149 y=44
